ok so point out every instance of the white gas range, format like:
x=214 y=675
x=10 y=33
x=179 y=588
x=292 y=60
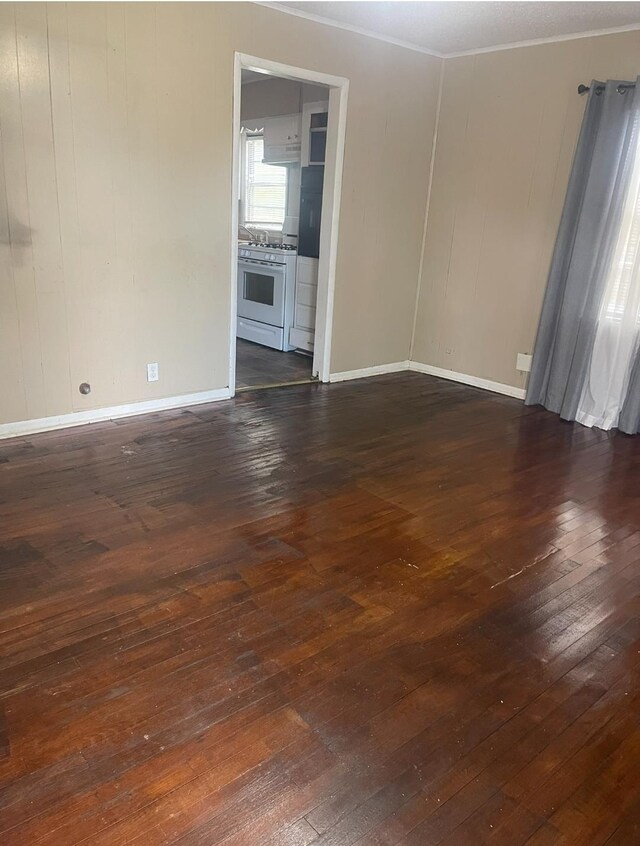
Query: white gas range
x=266 y=293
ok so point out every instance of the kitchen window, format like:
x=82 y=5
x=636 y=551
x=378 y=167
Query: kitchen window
x=264 y=188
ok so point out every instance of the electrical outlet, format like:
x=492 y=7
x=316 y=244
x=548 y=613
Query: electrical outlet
x=152 y=372
x=523 y=362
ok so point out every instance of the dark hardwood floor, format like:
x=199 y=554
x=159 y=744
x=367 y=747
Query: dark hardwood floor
x=393 y=611
x=258 y=366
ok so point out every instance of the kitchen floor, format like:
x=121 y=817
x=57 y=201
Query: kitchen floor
x=257 y=366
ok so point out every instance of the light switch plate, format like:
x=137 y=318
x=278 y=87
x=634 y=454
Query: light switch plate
x=523 y=362
x=152 y=372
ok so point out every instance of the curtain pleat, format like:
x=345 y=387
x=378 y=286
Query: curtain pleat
x=630 y=415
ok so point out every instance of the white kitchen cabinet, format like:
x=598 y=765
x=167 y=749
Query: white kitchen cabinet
x=314 y=133
x=282 y=139
x=302 y=333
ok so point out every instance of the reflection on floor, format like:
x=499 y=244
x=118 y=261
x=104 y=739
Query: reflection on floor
x=396 y=610
x=258 y=365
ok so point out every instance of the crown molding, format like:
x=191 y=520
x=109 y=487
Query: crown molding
x=551 y=39
x=309 y=16
x=417 y=48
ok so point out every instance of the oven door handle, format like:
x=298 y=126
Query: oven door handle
x=258 y=263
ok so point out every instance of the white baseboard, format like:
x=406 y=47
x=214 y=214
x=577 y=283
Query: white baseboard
x=99 y=415
x=375 y=370
x=474 y=381
x=429 y=369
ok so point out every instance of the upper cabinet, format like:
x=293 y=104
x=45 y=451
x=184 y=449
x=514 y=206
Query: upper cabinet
x=314 y=133
x=282 y=140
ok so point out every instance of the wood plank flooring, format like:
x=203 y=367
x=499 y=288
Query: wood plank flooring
x=258 y=366
x=393 y=611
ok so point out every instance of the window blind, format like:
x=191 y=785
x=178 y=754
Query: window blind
x=265 y=188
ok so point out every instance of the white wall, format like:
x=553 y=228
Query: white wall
x=115 y=225
x=115 y=212
x=509 y=122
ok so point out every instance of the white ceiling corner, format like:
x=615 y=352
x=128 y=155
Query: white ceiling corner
x=459 y=26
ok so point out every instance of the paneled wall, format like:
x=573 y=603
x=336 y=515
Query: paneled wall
x=115 y=227
x=509 y=122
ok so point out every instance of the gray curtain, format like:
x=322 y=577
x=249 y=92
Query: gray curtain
x=630 y=414
x=581 y=259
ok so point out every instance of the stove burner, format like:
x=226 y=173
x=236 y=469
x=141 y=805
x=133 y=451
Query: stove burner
x=272 y=246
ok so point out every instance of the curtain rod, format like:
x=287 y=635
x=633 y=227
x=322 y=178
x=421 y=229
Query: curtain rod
x=584 y=89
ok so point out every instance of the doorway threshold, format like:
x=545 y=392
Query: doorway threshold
x=309 y=381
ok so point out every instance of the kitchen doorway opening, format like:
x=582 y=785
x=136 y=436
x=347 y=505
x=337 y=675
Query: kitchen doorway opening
x=288 y=149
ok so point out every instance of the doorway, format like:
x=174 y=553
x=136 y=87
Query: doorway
x=288 y=129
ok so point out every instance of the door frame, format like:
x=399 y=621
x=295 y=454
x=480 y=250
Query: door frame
x=329 y=228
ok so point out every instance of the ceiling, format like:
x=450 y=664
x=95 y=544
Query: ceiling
x=455 y=27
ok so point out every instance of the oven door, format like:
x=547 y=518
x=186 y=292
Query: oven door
x=261 y=291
